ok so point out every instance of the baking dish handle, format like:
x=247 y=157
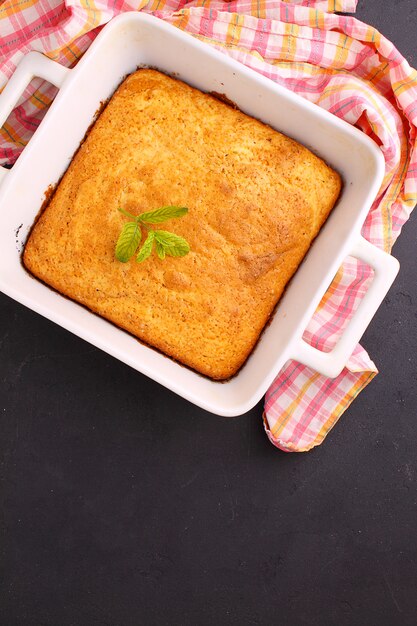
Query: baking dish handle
x=385 y=269
x=34 y=64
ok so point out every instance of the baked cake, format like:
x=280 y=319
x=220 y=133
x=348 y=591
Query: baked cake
x=256 y=201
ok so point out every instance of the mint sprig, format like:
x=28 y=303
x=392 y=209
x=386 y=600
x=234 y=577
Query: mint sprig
x=166 y=243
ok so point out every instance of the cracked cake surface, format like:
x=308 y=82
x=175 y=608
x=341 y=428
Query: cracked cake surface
x=256 y=200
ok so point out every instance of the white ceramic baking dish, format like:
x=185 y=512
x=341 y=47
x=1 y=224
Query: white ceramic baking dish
x=133 y=40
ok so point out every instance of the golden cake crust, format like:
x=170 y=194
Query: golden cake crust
x=256 y=201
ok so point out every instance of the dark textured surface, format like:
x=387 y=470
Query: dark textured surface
x=125 y=505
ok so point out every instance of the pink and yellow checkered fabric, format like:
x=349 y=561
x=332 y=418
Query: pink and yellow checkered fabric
x=337 y=62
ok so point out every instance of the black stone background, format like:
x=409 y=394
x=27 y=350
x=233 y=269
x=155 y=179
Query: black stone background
x=123 y=504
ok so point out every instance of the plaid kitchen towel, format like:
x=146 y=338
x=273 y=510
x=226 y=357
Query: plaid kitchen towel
x=337 y=62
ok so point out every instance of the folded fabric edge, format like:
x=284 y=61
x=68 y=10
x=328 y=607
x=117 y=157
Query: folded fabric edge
x=290 y=446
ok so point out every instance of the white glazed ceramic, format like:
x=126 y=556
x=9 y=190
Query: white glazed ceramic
x=127 y=42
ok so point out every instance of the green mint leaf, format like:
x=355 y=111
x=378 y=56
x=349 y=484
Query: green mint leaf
x=160 y=250
x=146 y=249
x=173 y=245
x=161 y=215
x=166 y=243
x=128 y=241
